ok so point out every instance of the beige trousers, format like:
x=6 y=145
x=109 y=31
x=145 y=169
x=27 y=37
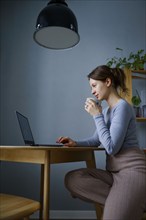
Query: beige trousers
x=121 y=188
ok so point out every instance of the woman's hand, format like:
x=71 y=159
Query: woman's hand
x=92 y=107
x=66 y=141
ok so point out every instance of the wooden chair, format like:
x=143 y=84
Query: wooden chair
x=99 y=208
x=17 y=208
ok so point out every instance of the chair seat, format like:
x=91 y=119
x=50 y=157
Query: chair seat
x=15 y=207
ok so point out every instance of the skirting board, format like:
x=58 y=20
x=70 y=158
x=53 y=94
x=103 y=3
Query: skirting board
x=69 y=214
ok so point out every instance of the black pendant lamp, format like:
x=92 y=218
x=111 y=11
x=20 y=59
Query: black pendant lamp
x=56 y=26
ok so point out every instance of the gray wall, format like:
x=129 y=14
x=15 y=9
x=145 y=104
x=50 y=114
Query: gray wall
x=50 y=87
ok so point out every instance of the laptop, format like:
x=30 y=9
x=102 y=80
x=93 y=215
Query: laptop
x=27 y=132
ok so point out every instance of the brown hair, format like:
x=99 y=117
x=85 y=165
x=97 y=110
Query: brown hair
x=116 y=75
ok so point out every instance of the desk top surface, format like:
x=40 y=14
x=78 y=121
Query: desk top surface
x=51 y=148
x=54 y=148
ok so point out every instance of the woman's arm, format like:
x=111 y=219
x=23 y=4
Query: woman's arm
x=113 y=138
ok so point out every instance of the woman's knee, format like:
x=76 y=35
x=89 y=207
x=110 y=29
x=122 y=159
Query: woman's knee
x=72 y=177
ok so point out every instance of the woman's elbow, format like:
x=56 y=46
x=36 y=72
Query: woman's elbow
x=112 y=150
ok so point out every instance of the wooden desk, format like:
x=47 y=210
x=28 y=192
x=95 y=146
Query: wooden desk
x=46 y=156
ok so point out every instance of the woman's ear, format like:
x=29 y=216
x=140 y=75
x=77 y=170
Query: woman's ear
x=108 y=82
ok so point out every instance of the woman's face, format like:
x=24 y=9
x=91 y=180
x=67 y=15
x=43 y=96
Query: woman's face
x=100 y=89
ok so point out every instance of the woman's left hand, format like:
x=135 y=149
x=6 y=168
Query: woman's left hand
x=92 y=107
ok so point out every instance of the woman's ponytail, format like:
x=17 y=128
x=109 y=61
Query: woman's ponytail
x=119 y=79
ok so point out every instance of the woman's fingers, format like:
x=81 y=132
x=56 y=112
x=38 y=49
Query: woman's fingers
x=89 y=104
x=92 y=107
x=66 y=141
x=62 y=140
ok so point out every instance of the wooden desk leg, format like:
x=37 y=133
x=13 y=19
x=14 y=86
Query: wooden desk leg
x=41 y=192
x=46 y=193
x=92 y=164
x=26 y=218
x=99 y=211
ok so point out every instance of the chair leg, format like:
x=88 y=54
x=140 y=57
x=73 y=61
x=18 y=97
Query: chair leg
x=99 y=211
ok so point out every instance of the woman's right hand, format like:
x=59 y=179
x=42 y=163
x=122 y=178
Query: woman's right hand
x=66 y=141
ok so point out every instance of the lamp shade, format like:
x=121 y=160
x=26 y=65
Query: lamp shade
x=56 y=26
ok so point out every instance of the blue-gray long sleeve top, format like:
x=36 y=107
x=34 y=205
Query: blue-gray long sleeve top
x=115 y=129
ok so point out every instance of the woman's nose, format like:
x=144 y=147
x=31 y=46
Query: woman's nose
x=93 y=92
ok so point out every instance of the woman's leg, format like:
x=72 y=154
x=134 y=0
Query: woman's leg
x=91 y=185
x=127 y=197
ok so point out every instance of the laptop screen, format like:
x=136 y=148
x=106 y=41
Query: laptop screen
x=25 y=129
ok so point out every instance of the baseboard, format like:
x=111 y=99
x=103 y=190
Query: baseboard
x=69 y=214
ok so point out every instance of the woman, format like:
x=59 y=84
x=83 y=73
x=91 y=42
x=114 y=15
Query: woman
x=121 y=188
